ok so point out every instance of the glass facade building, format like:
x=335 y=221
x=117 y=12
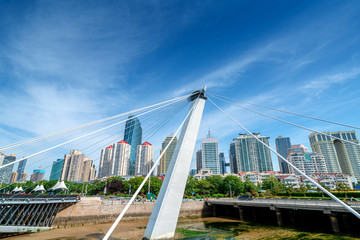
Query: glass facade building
x=21 y=169
x=247 y=154
x=210 y=154
x=56 y=169
x=166 y=158
x=339 y=155
x=133 y=136
x=222 y=163
x=5 y=173
x=282 y=146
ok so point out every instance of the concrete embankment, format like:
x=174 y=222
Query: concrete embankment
x=93 y=210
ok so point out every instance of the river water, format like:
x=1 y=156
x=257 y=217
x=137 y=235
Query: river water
x=188 y=228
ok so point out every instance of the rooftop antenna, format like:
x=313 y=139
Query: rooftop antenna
x=209 y=134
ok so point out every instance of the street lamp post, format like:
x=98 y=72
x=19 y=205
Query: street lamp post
x=129 y=189
x=230 y=188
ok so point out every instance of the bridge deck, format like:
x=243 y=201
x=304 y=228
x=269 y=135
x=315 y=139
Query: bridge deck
x=273 y=203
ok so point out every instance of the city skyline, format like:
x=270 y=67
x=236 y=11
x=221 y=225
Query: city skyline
x=48 y=72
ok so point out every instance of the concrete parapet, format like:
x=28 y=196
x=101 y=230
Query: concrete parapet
x=92 y=210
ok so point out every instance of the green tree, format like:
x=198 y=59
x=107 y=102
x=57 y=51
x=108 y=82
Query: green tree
x=204 y=186
x=303 y=189
x=249 y=186
x=216 y=183
x=155 y=185
x=273 y=185
x=191 y=186
x=237 y=186
x=289 y=191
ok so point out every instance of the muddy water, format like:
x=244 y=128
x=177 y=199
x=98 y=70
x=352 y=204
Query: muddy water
x=198 y=228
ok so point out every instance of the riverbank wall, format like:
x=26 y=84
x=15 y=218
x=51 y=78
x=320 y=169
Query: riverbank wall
x=93 y=210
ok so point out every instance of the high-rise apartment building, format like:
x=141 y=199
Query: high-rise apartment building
x=247 y=154
x=115 y=159
x=74 y=168
x=21 y=168
x=232 y=158
x=133 y=136
x=222 y=163
x=56 y=169
x=144 y=158
x=38 y=175
x=106 y=162
x=24 y=177
x=308 y=163
x=198 y=160
x=282 y=146
x=14 y=177
x=122 y=153
x=340 y=156
x=5 y=172
x=166 y=158
x=210 y=154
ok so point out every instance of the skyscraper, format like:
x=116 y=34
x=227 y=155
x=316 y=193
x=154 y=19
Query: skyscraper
x=282 y=146
x=56 y=169
x=166 y=158
x=198 y=160
x=114 y=160
x=121 y=158
x=307 y=162
x=74 y=167
x=249 y=155
x=14 y=176
x=37 y=175
x=144 y=158
x=21 y=168
x=133 y=135
x=340 y=156
x=232 y=159
x=210 y=154
x=106 y=162
x=5 y=173
x=222 y=163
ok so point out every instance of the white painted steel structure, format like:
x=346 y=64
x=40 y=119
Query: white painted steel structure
x=164 y=217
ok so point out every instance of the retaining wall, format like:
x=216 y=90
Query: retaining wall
x=92 y=210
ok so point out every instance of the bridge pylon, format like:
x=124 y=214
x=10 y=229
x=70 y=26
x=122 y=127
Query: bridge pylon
x=164 y=217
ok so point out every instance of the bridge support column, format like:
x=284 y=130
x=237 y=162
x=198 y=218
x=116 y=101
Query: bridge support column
x=347 y=223
x=241 y=214
x=164 y=217
x=279 y=218
x=213 y=211
x=335 y=223
x=292 y=217
x=254 y=214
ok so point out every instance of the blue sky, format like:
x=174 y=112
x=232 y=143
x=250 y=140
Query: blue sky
x=87 y=60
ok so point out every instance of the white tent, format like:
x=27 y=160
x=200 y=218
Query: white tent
x=16 y=189
x=59 y=186
x=41 y=189
x=36 y=189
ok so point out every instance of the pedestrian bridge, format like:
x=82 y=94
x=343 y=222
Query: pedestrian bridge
x=31 y=213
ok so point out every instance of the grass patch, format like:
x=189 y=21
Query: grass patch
x=187 y=233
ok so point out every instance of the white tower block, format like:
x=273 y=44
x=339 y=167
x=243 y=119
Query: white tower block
x=164 y=217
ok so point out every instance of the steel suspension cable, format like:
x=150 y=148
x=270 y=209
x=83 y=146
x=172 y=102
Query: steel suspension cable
x=293 y=124
x=91 y=133
x=347 y=207
x=88 y=124
x=288 y=112
x=106 y=237
x=165 y=110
